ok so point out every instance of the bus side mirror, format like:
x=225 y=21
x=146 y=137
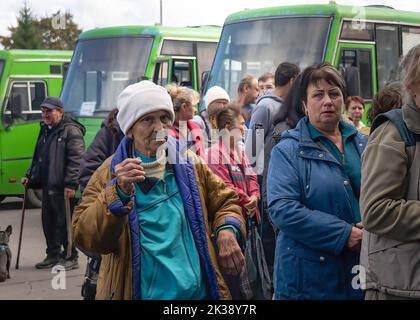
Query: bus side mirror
x=204 y=79
x=12 y=107
x=16 y=108
x=65 y=69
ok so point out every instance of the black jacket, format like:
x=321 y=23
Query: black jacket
x=56 y=160
x=103 y=146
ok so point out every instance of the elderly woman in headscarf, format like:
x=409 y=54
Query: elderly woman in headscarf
x=152 y=208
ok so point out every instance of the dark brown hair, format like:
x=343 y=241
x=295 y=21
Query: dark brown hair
x=388 y=98
x=284 y=72
x=227 y=116
x=322 y=71
x=291 y=110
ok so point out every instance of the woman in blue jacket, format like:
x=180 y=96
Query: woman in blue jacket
x=313 y=192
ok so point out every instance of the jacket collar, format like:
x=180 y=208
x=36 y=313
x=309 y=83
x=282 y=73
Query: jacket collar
x=411 y=116
x=309 y=148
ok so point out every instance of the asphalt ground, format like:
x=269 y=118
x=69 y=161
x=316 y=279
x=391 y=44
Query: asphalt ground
x=27 y=282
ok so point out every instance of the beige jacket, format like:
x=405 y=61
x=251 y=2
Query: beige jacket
x=97 y=230
x=390 y=207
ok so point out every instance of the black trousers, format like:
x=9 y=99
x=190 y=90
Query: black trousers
x=54 y=222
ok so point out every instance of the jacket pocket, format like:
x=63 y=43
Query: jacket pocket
x=396 y=267
x=286 y=279
x=321 y=276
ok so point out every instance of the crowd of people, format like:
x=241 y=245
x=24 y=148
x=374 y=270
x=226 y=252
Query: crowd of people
x=168 y=196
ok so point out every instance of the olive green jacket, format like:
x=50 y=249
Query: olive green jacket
x=390 y=209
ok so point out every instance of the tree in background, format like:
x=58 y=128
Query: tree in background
x=57 y=31
x=27 y=34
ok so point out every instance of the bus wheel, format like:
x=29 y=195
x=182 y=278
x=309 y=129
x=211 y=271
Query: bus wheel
x=34 y=198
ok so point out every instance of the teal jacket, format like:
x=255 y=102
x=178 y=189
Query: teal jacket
x=170 y=264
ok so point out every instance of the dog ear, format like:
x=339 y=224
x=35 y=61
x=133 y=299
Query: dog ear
x=9 y=230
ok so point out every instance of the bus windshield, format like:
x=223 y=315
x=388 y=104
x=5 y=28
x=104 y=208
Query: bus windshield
x=258 y=46
x=100 y=70
x=1 y=68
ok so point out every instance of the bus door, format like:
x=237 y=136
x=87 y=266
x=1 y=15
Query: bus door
x=357 y=63
x=179 y=70
x=20 y=119
x=163 y=70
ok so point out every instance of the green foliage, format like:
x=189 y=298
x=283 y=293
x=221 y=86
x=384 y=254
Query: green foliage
x=27 y=34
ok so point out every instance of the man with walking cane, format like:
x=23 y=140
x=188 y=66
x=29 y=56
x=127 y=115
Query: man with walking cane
x=55 y=169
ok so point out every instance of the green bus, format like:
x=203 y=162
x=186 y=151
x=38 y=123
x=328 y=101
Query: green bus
x=106 y=60
x=26 y=78
x=364 y=43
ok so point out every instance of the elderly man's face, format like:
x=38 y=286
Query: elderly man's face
x=52 y=117
x=149 y=132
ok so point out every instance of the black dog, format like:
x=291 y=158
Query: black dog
x=5 y=254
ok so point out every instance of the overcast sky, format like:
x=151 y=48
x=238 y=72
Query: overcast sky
x=90 y=14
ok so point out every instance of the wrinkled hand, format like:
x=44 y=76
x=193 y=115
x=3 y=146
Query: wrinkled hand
x=24 y=181
x=231 y=258
x=355 y=239
x=128 y=172
x=69 y=193
x=251 y=206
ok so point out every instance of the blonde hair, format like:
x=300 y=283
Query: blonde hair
x=180 y=95
x=410 y=70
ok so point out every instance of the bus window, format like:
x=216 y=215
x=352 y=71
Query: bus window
x=25 y=100
x=38 y=94
x=356 y=67
x=182 y=73
x=205 y=55
x=387 y=54
x=177 y=48
x=106 y=65
x=18 y=99
x=204 y=51
x=354 y=30
x=1 y=67
x=259 y=46
x=365 y=71
x=55 y=69
x=410 y=37
x=91 y=86
x=161 y=73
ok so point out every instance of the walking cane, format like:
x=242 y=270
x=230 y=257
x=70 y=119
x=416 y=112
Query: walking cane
x=21 y=228
x=68 y=222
